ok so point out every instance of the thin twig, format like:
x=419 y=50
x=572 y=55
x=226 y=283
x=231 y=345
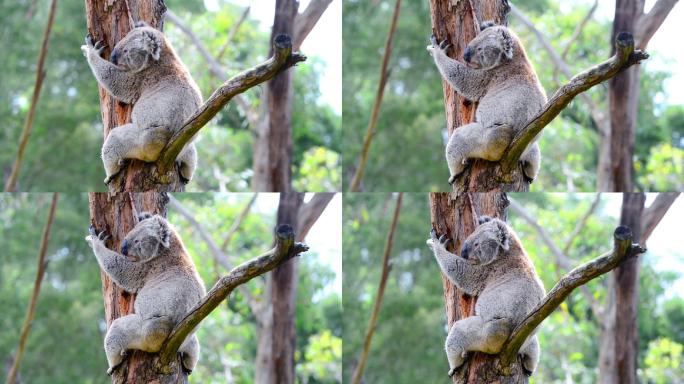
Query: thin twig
x=580 y=224
x=358 y=372
x=284 y=250
x=578 y=30
x=283 y=58
x=28 y=124
x=233 y=32
x=622 y=249
x=23 y=336
x=237 y=223
x=370 y=131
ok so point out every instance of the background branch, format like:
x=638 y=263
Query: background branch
x=625 y=56
x=233 y=32
x=23 y=336
x=375 y=112
x=622 y=249
x=655 y=212
x=649 y=23
x=305 y=21
x=285 y=249
x=310 y=212
x=282 y=59
x=28 y=124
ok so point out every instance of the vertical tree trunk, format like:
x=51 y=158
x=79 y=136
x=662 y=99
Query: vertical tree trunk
x=116 y=215
x=272 y=162
x=458 y=22
x=457 y=216
x=283 y=297
x=110 y=21
x=623 y=94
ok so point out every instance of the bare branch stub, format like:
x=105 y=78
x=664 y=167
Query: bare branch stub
x=285 y=249
x=283 y=58
x=625 y=56
x=623 y=248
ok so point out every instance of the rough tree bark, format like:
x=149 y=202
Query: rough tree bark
x=116 y=215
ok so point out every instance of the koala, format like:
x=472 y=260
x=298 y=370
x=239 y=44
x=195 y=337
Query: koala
x=500 y=77
x=154 y=264
x=494 y=267
x=146 y=72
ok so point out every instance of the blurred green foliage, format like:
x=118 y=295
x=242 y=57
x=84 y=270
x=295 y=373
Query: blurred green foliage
x=407 y=153
x=63 y=153
x=65 y=342
x=408 y=343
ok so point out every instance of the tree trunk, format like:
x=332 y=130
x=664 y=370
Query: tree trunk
x=272 y=162
x=110 y=22
x=263 y=364
x=623 y=94
x=456 y=216
x=459 y=24
x=116 y=216
x=283 y=298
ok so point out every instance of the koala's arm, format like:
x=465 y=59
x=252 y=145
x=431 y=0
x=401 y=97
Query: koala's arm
x=128 y=275
x=119 y=83
x=467 y=277
x=468 y=82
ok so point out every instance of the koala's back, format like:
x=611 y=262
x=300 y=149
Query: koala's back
x=512 y=295
x=169 y=103
x=172 y=292
x=513 y=101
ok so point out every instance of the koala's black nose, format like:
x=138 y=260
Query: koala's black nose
x=115 y=57
x=467 y=53
x=465 y=251
x=124 y=248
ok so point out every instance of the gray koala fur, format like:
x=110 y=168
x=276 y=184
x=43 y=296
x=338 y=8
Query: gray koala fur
x=500 y=77
x=154 y=264
x=145 y=71
x=493 y=266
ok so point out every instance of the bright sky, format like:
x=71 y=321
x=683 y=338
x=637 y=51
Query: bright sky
x=324 y=41
x=664 y=47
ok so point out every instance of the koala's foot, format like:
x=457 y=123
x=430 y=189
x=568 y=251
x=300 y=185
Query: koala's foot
x=452 y=371
x=452 y=179
x=111 y=369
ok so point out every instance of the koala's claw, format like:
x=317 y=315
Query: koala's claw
x=452 y=179
x=452 y=371
x=444 y=240
x=444 y=45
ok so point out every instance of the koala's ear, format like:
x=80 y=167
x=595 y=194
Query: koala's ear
x=164 y=231
x=141 y=24
x=486 y=24
x=503 y=235
x=144 y=215
x=507 y=44
x=483 y=219
x=155 y=44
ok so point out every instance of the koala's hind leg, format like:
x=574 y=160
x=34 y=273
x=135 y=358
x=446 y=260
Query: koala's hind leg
x=134 y=332
x=188 y=162
x=190 y=350
x=132 y=142
x=476 y=141
x=475 y=334
x=530 y=354
x=531 y=160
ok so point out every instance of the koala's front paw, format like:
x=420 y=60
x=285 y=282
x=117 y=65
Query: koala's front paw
x=435 y=239
x=97 y=47
x=435 y=45
x=95 y=237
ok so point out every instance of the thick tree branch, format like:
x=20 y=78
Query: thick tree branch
x=562 y=260
x=23 y=335
x=625 y=56
x=215 y=66
x=655 y=212
x=558 y=61
x=649 y=23
x=283 y=58
x=218 y=254
x=622 y=249
x=305 y=21
x=11 y=183
x=285 y=249
x=310 y=212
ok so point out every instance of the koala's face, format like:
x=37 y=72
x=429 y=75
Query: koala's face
x=487 y=243
x=145 y=241
x=138 y=49
x=489 y=49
